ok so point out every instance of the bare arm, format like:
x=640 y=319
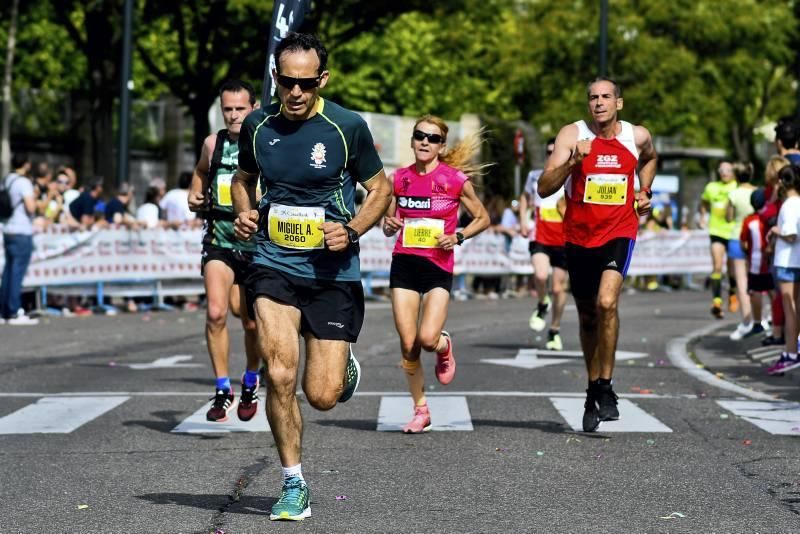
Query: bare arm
x=523 y=214
x=243 y=193
x=648 y=164
x=566 y=154
x=379 y=194
x=30 y=204
x=197 y=191
x=479 y=223
x=391 y=224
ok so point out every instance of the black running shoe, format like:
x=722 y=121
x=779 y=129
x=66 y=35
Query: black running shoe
x=223 y=402
x=606 y=402
x=591 y=415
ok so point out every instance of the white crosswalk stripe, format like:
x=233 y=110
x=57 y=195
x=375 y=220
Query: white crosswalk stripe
x=57 y=415
x=632 y=418
x=197 y=423
x=447 y=413
x=780 y=417
x=62 y=414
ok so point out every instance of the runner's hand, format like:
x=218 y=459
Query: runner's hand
x=582 y=149
x=336 y=238
x=642 y=203
x=245 y=225
x=447 y=241
x=523 y=228
x=391 y=225
x=197 y=201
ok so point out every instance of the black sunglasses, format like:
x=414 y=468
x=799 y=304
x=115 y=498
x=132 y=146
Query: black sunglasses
x=435 y=139
x=305 y=83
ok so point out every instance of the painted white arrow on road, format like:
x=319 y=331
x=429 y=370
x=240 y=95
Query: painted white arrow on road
x=529 y=358
x=162 y=363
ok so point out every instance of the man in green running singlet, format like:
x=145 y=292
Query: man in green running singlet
x=225 y=258
x=715 y=201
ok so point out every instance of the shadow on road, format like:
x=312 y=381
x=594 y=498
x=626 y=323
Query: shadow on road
x=250 y=505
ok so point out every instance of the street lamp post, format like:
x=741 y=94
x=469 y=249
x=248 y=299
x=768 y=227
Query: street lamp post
x=126 y=84
x=603 y=38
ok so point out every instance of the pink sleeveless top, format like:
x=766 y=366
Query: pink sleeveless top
x=434 y=196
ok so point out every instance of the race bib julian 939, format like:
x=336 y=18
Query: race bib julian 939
x=608 y=189
x=296 y=227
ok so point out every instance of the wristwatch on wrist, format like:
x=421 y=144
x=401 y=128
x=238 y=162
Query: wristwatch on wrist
x=460 y=238
x=352 y=235
x=647 y=191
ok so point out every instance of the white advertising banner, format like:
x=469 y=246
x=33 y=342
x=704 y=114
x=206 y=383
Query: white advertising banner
x=114 y=255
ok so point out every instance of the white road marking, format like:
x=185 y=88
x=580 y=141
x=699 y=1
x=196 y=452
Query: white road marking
x=525 y=394
x=781 y=418
x=531 y=358
x=632 y=418
x=447 y=413
x=162 y=363
x=57 y=415
x=676 y=352
x=197 y=423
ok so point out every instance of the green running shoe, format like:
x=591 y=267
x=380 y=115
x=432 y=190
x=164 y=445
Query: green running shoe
x=352 y=377
x=295 y=501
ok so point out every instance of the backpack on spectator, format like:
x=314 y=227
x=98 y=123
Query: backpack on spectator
x=6 y=206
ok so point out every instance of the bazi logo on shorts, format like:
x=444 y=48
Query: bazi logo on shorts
x=607 y=161
x=414 y=203
x=318 y=156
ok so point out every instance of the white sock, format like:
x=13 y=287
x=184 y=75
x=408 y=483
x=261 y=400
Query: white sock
x=293 y=471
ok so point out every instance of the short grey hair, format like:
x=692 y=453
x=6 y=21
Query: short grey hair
x=617 y=88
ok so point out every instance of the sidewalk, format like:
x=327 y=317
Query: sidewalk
x=744 y=362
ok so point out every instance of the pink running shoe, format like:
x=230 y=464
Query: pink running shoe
x=421 y=421
x=446 y=363
x=784 y=363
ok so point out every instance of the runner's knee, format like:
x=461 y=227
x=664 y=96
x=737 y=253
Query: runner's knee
x=429 y=340
x=216 y=316
x=607 y=304
x=323 y=398
x=281 y=378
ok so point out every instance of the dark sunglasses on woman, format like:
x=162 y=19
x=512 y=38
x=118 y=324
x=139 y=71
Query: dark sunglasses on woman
x=434 y=139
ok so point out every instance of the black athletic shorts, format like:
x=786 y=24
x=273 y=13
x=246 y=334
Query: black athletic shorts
x=557 y=255
x=759 y=283
x=418 y=274
x=586 y=265
x=328 y=309
x=238 y=261
x=718 y=239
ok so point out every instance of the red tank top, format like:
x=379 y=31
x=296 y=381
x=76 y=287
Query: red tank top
x=600 y=192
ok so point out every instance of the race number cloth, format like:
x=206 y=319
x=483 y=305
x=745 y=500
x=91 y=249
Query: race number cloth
x=296 y=227
x=434 y=195
x=599 y=191
x=608 y=189
x=422 y=233
x=548 y=224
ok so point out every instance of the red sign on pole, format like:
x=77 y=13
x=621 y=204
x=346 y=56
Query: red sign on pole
x=519 y=147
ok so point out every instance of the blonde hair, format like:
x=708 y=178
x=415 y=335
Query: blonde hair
x=461 y=155
x=774 y=165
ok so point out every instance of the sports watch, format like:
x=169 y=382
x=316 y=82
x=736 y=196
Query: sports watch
x=352 y=235
x=647 y=191
x=460 y=238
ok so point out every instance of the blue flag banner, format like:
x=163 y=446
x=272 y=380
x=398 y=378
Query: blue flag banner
x=287 y=16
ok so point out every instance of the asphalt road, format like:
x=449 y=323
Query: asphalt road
x=88 y=439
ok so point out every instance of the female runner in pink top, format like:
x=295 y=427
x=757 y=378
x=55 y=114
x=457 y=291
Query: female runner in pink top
x=424 y=211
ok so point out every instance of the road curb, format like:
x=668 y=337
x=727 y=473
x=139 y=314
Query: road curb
x=678 y=354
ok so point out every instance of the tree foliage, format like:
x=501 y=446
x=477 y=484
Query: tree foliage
x=707 y=72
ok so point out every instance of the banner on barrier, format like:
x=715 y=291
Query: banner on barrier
x=109 y=255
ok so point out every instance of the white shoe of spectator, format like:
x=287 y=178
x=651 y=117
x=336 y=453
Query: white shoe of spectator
x=22 y=320
x=741 y=331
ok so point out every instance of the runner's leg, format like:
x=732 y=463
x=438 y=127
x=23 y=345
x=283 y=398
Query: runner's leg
x=278 y=331
x=323 y=379
x=405 y=307
x=560 y=277
x=218 y=278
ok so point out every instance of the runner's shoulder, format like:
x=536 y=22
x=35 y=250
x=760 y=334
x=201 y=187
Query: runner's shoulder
x=342 y=117
x=257 y=116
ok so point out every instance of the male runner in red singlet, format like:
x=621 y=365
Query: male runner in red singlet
x=597 y=164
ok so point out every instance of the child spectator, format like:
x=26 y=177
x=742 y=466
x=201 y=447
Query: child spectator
x=753 y=239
